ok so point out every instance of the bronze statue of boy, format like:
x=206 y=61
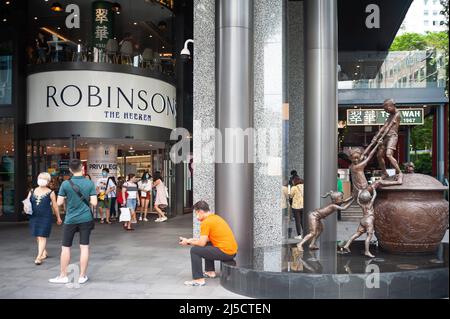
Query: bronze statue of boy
x=389 y=134
x=315 y=217
x=366 y=225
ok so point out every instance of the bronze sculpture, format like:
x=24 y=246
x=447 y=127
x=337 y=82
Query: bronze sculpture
x=359 y=163
x=412 y=217
x=389 y=134
x=366 y=225
x=315 y=217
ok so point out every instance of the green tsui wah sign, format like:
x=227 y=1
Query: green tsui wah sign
x=379 y=116
x=103 y=23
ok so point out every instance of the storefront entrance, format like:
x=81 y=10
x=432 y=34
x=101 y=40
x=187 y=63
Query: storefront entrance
x=120 y=156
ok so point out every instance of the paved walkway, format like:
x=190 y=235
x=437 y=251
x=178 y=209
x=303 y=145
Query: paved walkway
x=146 y=263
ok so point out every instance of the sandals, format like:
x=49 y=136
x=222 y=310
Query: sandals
x=38 y=261
x=209 y=276
x=194 y=283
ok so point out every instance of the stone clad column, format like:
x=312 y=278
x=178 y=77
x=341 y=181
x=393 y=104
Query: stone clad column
x=234 y=110
x=204 y=108
x=321 y=111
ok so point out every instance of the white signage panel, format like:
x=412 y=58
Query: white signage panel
x=99 y=96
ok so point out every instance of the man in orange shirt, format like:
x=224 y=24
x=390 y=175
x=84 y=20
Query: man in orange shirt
x=216 y=242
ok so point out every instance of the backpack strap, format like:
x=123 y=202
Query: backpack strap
x=76 y=189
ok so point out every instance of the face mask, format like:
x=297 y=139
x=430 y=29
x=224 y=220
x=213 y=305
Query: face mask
x=104 y=174
x=42 y=182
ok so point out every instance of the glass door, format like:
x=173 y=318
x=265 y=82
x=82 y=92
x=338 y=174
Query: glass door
x=51 y=156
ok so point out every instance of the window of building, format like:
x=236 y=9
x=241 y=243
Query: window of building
x=435 y=13
x=425 y=2
x=426 y=22
x=435 y=23
x=425 y=12
x=6 y=166
x=5 y=72
x=135 y=33
x=435 y=2
x=441 y=23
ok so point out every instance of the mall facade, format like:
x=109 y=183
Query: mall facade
x=105 y=82
x=94 y=80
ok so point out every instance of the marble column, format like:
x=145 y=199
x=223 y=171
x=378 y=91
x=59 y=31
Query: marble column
x=295 y=71
x=204 y=110
x=268 y=122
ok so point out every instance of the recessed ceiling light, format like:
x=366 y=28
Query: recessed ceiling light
x=56 y=7
x=7 y=2
x=4 y=20
x=135 y=23
x=59 y=28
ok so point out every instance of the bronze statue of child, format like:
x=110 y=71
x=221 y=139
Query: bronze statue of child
x=389 y=134
x=359 y=163
x=366 y=225
x=315 y=217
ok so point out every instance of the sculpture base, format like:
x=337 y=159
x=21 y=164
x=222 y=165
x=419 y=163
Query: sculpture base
x=284 y=272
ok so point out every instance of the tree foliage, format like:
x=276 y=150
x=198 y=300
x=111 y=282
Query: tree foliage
x=422 y=135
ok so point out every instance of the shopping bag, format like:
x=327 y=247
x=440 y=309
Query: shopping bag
x=125 y=214
x=27 y=208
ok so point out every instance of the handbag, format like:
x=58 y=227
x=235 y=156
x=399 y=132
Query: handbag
x=27 y=207
x=125 y=214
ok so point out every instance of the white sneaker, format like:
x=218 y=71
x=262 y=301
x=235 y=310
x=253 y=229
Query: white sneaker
x=134 y=221
x=157 y=220
x=145 y=220
x=299 y=237
x=140 y=218
x=82 y=280
x=163 y=219
x=59 y=280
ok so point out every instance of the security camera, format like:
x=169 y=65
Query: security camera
x=185 y=53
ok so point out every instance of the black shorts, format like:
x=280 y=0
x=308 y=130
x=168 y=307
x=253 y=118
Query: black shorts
x=69 y=231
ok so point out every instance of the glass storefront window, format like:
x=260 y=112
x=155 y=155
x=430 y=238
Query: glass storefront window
x=138 y=33
x=6 y=166
x=5 y=72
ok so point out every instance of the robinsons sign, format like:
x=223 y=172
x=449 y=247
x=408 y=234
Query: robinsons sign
x=97 y=96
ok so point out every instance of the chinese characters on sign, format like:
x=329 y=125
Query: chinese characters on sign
x=103 y=23
x=379 y=116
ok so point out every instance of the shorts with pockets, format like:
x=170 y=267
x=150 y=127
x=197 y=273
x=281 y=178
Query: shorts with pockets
x=69 y=231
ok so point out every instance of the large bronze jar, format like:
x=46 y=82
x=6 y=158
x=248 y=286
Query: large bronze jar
x=412 y=217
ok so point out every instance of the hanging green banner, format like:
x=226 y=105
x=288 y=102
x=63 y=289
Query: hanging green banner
x=379 y=116
x=103 y=23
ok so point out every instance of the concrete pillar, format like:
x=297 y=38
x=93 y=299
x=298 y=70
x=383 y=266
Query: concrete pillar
x=234 y=110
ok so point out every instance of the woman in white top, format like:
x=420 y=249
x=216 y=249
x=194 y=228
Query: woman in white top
x=161 y=197
x=129 y=191
x=145 y=186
